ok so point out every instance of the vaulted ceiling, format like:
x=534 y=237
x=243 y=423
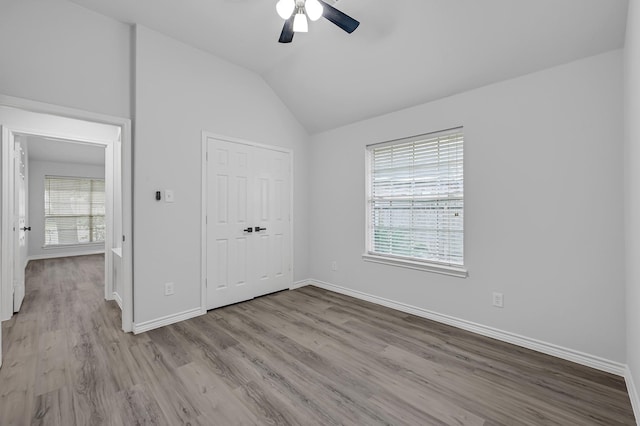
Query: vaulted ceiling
x=404 y=53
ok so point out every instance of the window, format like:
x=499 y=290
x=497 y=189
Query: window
x=73 y=211
x=415 y=202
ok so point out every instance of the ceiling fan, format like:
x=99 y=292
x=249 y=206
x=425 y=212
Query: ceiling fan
x=295 y=13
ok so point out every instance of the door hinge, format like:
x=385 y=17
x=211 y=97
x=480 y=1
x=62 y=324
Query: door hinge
x=123 y=238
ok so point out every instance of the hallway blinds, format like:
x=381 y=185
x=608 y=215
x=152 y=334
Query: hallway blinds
x=416 y=198
x=74 y=210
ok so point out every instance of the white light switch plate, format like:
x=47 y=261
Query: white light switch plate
x=168 y=196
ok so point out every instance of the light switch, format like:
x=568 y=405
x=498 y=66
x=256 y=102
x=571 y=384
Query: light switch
x=168 y=196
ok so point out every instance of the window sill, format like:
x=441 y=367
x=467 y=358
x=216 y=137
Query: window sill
x=63 y=246
x=455 y=271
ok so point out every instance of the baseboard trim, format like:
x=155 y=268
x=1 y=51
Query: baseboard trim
x=117 y=298
x=547 y=348
x=300 y=284
x=633 y=393
x=66 y=254
x=167 y=320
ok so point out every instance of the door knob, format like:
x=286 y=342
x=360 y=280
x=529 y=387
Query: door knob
x=258 y=229
x=249 y=229
x=26 y=229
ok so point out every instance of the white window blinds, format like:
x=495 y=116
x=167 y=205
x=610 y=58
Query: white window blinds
x=74 y=210
x=416 y=198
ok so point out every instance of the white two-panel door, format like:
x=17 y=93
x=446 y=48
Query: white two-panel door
x=20 y=226
x=248 y=222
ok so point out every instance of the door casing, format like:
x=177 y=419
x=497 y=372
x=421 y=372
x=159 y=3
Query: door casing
x=51 y=113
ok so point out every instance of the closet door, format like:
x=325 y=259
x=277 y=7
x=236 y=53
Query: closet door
x=248 y=225
x=270 y=207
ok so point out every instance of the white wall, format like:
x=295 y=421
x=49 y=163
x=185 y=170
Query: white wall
x=60 y=53
x=37 y=172
x=543 y=197
x=632 y=194
x=181 y=91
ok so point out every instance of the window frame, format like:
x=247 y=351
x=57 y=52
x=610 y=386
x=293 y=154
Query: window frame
x=401 y=261
x=90 y=216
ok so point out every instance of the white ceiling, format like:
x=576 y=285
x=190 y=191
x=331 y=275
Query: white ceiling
x=404 y=53
x=60 y=151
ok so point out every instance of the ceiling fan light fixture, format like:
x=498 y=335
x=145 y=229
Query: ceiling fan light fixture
x=300 y=24
x=314 y=9
x=285 y=8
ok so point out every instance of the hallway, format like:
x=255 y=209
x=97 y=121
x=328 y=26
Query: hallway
x=51 y=346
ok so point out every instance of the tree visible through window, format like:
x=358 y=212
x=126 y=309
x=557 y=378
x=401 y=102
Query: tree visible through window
x=416 y=198
x=74 y=210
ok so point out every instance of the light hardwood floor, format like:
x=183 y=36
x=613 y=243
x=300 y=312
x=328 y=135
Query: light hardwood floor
x=305 y=357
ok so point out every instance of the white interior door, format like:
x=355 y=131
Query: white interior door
x=248 y=234
x=271 y=201
x=20 y=226
x=228 y=225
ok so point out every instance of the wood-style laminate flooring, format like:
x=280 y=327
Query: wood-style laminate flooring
x=303 y=357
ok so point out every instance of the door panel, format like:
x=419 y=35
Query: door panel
x=248 y=187
x=278 y=259
x=223 y=199
x=222 y=264
x=242 y=199
x=262 y=257
x=263 y=201
x=20 y=215
x=241 y=260
x=227 y=207
x=271 y=171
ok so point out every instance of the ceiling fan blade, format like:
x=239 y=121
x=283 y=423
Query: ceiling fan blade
x=341 y=19
x=286 y=36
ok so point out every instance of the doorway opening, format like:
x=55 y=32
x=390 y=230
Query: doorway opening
x=67 y=204
x=63 y=133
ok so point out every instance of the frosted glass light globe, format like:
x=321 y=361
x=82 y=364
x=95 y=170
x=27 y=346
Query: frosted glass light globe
x=314 y=9
x=300 y=24
x=285 y=8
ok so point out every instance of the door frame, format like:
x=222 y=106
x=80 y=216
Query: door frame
x=125 y=191
x=203 y=236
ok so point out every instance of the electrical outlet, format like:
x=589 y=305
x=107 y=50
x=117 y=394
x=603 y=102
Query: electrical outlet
x=498 y=300
x=334 y=266
x=168 y=289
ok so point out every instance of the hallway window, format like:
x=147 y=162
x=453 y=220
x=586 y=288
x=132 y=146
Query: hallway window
x=74 y=211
